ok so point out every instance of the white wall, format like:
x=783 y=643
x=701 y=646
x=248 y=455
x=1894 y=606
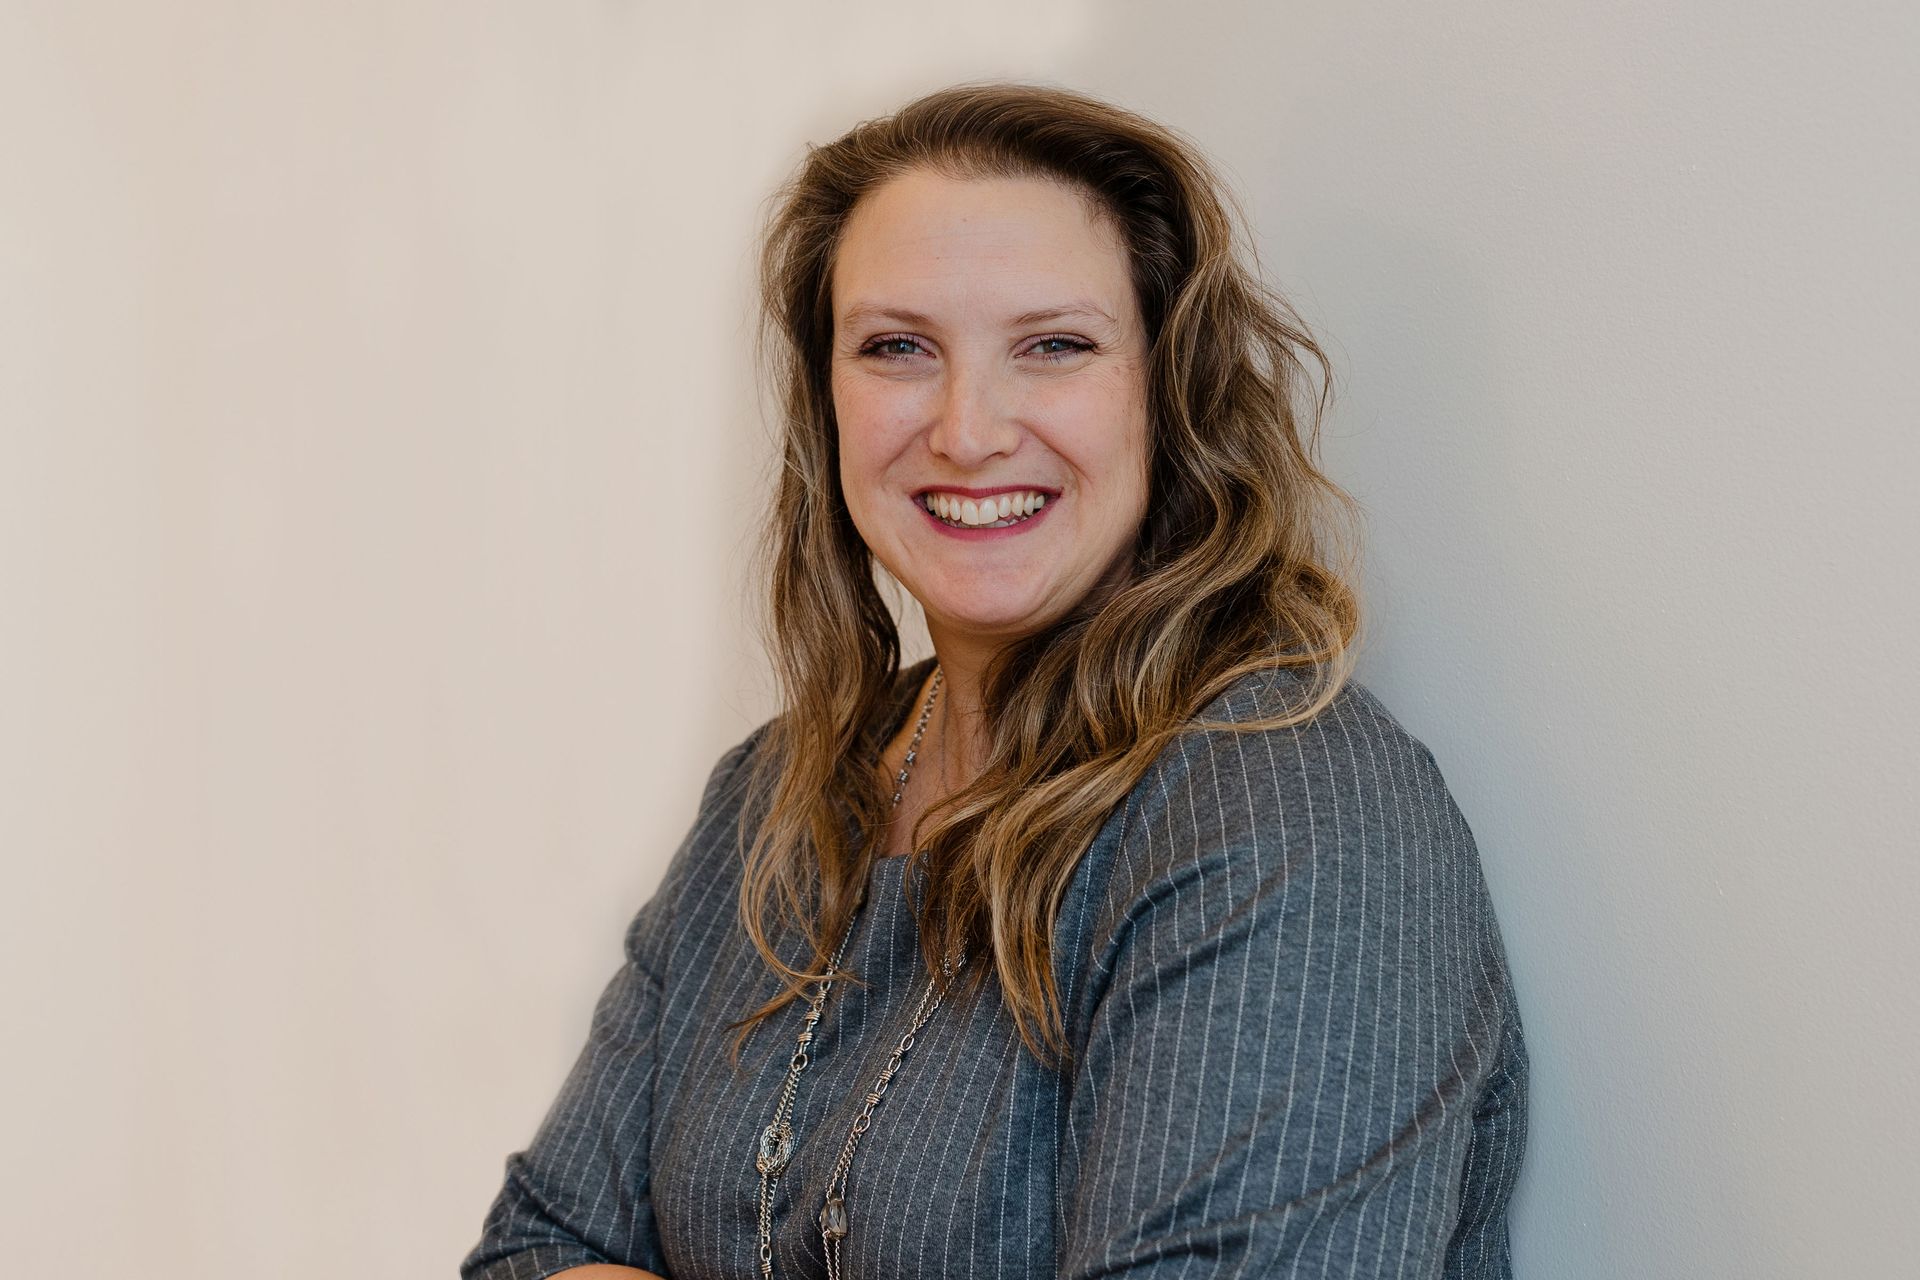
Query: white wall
x=379 y=455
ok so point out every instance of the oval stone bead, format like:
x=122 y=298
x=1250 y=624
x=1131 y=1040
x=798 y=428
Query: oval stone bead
x=834 y=1223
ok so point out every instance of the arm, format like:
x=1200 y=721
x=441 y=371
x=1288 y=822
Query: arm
x=579 y=1193
x=1302 y=1007
x=578 y=1200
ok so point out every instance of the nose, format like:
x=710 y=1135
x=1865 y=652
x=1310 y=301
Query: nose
x=973 y=422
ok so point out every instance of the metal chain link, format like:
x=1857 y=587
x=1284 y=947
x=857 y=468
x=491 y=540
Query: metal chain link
x=835 y=1222
x=776 y=1140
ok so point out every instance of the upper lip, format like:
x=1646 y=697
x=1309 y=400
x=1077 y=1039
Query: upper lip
x=964 y=492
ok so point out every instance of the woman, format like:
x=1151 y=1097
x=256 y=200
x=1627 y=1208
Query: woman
x=1125 y=935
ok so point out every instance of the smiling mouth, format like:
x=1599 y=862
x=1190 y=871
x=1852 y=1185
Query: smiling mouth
x=997 y=512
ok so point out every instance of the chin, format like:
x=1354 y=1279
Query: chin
x=999 y=623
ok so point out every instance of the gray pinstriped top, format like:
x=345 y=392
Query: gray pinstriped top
x=1296 y=1050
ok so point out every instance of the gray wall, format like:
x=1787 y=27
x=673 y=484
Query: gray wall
x=380 y=453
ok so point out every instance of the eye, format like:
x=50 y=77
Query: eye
x=892 y=347
x=1059 y=347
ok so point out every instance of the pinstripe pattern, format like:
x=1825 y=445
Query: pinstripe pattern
x=1297 y=1051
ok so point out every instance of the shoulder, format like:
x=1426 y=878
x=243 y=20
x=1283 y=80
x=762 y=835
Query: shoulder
x=1336 y=834
x=1352 y=764
x=732 y=803
x=1298 y=912
x=704 y=869
x=725 y=794
x=693 y=909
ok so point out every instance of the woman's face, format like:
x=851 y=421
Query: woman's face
x=987 y=344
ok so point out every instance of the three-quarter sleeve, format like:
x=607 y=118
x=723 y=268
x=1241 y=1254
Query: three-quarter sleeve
x=1300 y=1019
x=580 y=1192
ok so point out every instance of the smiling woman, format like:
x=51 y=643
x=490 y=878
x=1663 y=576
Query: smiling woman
x=1161 y=949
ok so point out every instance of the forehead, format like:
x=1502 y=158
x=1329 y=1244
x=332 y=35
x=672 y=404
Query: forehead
x=931 y=243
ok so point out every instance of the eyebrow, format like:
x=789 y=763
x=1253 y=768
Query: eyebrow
x=866 y=311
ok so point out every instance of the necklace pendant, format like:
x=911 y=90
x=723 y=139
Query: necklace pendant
x=834 y=1224
x=776 y=1147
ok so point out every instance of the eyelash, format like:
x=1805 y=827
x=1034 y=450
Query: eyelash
x=1074 y=347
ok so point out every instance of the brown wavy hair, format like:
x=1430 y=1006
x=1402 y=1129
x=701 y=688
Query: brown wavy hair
x=1243 y=562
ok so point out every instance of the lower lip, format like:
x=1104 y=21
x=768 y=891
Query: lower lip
x=981 y=535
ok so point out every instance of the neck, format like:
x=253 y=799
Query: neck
x=958 y=726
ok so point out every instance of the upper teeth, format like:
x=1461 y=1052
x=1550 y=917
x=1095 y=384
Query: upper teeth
x=982 y=511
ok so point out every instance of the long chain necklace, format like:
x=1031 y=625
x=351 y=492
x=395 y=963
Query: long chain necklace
x=835 y=1223
x=776 y=1140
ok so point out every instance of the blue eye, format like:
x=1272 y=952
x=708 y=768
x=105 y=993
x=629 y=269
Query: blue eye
x=1061 y=347
x=890 y=348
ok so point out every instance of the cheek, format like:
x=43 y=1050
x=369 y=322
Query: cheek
x=874 y=420
x=1102 y=429
x=854 y=423
x=871 y=438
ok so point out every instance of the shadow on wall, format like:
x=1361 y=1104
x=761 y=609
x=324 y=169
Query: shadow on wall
x=1475 y=568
